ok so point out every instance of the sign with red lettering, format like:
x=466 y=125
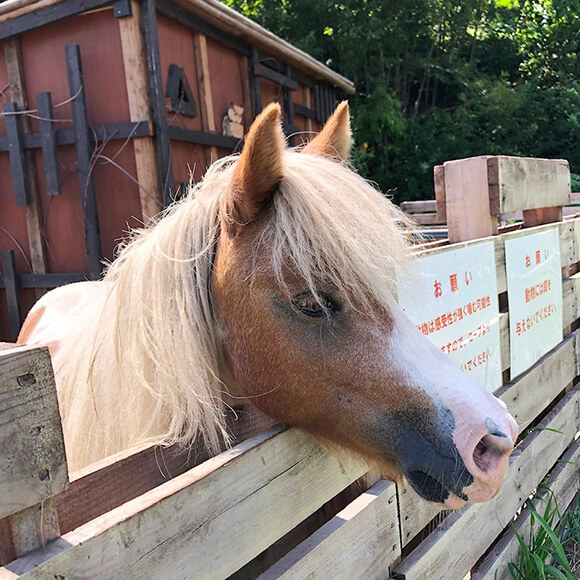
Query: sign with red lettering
x=534 y=282
x=454 y=304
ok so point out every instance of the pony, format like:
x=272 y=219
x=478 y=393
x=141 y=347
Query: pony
x=272 y=282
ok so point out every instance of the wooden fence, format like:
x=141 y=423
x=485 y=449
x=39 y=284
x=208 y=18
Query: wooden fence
x=277 y=504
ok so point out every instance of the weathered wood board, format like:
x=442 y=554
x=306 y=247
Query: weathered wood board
x=249 y=497
x=361 y=541
x=31 y=442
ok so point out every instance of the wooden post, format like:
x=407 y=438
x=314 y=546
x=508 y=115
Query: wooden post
x=479 y=189
x=439 y=183
x=34 y=221
x=205 y=94
x=12 y=289
x=138 y=95
x=84 y=159
x=308 y=98
x=256 y=89
x=158 y=100
x=467 y=200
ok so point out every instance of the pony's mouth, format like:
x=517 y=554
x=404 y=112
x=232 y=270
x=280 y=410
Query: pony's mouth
x=433 y=490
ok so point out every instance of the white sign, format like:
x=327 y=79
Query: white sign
x=534 y=281
x=454 y=304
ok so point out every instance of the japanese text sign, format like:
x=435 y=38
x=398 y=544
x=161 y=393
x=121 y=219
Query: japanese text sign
x=454 y=304
x=534 y=281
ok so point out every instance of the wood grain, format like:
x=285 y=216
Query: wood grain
x=31 y=443
x=247 y=497
x=138 y=90
x=361 y=541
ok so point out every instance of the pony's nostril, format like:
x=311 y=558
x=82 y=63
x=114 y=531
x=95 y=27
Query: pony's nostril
x=490 y=450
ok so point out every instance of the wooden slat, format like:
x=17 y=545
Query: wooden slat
x=245 y=498
x=158 y=100
x=439 y=557
x=361 y=541
x=425 y=206
x=48 y=142
x=525 y=183
x=18 y=165
x=10 y=280
x=439 y=186
x=563 y=483
x=33 y=211
x=138 y=90
x=31 y=443
x=205 y=93
x=84 y=160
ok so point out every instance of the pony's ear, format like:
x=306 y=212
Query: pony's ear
x=257 y=173
x=334 y=139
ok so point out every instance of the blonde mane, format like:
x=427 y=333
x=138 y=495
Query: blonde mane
x=151 y=348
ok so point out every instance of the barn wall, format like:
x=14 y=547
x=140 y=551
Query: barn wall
x=114 y=167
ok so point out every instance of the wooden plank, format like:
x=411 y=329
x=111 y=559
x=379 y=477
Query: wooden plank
x=205 y=94
x=424 y=206
x=308 y=101
x=18 y=165
x=235 y=504
x=201 y=138
x=439 y=186
x=31 y=442
x=545 y=215
x=467 y=200
x=255 y=79
x=37 y=13
x=438 y=556
x=361 y=541
x=525 y=183
x=283 y=80
x=33 y=210
x=138 y=90
x=48 y=143
x=10 y=279
x=158 y=100
x=563 y=482
x=533 y=392
x=84 y=160
x=426 y=218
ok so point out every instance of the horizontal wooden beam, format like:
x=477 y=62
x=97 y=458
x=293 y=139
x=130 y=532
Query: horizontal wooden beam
x=47 y=280
x=197 y=24
x=50 y=12
x=303 y=111
x=202 y=138
x=98 y=133
x=190 y=522
x=265 y=72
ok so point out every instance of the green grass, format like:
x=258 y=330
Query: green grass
x=552 y=550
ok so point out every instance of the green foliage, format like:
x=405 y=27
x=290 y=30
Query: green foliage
x=552 y=538
x=444 y=79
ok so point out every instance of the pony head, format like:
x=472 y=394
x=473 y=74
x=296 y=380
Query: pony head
x=302 y=287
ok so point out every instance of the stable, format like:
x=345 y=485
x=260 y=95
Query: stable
x=111 y=107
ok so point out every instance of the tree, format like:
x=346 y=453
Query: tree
x=444 y=79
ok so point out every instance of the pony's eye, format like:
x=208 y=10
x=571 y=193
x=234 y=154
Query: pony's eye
x=315 y=306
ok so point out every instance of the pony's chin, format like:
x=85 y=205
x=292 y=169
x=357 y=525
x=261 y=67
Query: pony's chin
x=453 y=502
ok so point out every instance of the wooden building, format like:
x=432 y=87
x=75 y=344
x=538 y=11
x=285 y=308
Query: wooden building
x=110 y=107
